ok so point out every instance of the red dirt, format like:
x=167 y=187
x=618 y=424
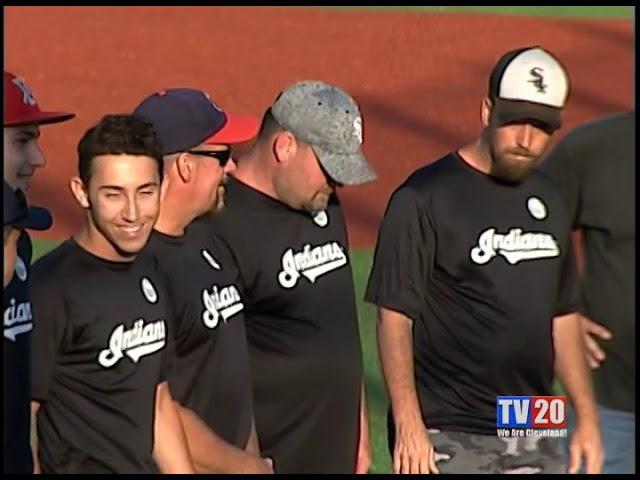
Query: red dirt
x=418 y=77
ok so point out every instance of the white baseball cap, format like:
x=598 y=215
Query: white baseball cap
x=529 y=84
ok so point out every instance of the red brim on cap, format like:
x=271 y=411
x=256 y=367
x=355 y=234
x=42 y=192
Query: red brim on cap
x=238 y=129
x=39 y=118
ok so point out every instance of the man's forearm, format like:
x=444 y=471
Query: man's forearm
x=395 y=346
x=35 y=406
x=170 y=450
x=253 y=446
x=571 y=366
x=212 y=454
x=364 y=416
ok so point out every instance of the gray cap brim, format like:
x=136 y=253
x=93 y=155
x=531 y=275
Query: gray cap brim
x=345 y=168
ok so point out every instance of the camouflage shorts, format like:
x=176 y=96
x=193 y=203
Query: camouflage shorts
x=458 y=452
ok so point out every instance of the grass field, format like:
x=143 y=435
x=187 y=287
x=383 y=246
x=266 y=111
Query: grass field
x=552 y=11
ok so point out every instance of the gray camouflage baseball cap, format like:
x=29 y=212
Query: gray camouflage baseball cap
x=329 y=120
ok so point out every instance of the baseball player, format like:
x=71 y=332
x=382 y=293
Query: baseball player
x=594 y=167
x=210 y=376
x=285 y=228
x=103 y=335
x=17 y=217
x=22 y=157
x=474 y=281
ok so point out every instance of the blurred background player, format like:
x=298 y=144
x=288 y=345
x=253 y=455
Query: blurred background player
x=594 y=168
x=22 y=157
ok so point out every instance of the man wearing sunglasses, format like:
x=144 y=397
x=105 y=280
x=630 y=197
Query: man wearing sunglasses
x=210 y=375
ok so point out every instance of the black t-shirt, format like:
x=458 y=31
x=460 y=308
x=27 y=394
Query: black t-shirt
x=594 y=166
x=99 y=350
x=302 y=328
x=210 y=374
x=481 y=267
x=16 y=348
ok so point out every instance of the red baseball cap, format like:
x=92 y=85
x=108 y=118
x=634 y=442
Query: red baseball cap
x=21 y=107
x=237 y=129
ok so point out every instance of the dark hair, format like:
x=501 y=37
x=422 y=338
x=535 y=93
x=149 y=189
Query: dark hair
x=118 y=134
x=269 y=125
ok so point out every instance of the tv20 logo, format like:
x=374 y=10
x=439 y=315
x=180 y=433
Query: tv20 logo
x=531 y=412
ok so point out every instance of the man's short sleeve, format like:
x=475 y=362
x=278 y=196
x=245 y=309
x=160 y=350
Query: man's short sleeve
x=561 y=168
x=568 y=292
x=50 y=323
x=404 y=255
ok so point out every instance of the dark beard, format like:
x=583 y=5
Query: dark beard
x=514 y=172
x=511 y=173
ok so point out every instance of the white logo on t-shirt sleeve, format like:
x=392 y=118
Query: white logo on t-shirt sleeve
x=537 y=208
x=21 y=269
x=210 y=260
x=148 y=290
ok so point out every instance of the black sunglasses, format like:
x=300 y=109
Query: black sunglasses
x=223 y=156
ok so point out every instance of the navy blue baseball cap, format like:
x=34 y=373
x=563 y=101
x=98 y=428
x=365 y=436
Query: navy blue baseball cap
x=18 y=214
x=185 y=118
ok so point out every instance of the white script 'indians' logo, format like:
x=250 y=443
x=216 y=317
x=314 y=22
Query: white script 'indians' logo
x=17 y=319
x=135 y=342
x=222 y=302
x=514 y=246
x=311 y=262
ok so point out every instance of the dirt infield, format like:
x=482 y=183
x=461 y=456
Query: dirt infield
x=418 y=77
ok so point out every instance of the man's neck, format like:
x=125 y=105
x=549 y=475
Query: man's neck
x=172 y=220
x=96 y=244
x=250 y=172
x=477 y=155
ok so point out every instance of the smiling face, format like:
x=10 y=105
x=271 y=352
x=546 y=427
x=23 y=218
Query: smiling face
x=122 y=199
x=22 y=155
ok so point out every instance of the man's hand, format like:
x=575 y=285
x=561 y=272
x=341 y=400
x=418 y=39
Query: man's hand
x=256 y=464
x=363 y=462
x=413 y=451
x=586 y=443
x=595 y=354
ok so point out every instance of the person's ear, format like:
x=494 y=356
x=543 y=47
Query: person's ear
x=185 y=167
x=285 y=146
x=80 y=192
x=485 y=111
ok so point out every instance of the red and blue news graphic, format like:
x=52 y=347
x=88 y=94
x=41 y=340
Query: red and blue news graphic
x=531 y=412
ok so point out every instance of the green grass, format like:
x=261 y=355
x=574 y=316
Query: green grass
x=595 y=11
x=377 y=400
x=40 y=247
